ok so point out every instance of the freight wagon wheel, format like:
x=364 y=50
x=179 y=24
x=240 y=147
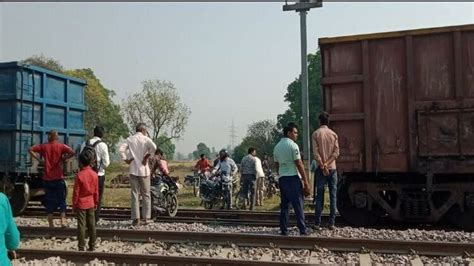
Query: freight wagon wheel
x=19 y=199
x=352 y=214
x=463 y=220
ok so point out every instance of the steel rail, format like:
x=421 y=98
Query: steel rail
x=431 y=248
x=136 y=259
x=187 y=220
x=220 y=217
x=185 y=212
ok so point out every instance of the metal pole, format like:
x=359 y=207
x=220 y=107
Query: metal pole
x=304 y=88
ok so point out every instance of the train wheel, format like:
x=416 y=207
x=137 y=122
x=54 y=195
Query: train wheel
x=19 y=199
x=463 y=220
x=352 y=214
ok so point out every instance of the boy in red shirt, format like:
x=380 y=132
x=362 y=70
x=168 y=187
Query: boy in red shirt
x=85 y=199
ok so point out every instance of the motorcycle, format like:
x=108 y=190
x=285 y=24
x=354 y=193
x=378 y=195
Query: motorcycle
x=164 y=198
x=198 y=178
x=217 y=189
x=271 y=184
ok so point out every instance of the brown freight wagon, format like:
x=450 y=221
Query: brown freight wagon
x=402 y=104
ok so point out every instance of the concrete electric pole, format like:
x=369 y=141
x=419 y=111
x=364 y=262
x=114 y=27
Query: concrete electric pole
x=302 y=7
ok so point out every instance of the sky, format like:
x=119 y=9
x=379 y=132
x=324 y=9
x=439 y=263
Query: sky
x=229 y=61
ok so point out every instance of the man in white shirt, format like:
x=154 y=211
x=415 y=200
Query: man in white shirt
x=248 y=170
x=139 y=148
x=260 y=182
x=103 y=161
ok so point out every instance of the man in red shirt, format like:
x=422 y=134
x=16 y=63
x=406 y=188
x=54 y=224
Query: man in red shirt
x=54 y=154
x=85 y=199
x=203 y=164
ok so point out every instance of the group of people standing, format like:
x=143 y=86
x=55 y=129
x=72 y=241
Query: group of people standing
x=138 y=151
x=293 y=181
x=251 y=170
x=253 y=178
x=88 y=184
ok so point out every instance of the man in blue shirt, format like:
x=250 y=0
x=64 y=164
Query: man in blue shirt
x=288 y=162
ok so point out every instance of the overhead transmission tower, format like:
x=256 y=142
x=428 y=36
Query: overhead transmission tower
x=233 y=135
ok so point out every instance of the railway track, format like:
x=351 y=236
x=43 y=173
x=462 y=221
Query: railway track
x=134 y=259
x=429 y=248
x=218 y=217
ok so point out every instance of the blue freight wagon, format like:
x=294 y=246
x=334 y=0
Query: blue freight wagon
x=33 y=101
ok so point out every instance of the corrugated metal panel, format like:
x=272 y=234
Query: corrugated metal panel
x=395 y=34
x=399 y=99
x=33 y=101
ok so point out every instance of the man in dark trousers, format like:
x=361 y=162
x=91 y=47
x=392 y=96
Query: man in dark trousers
x=248 y=169
x=54 y=154
x=326 y=151
x=103 y=161
x=288 y=164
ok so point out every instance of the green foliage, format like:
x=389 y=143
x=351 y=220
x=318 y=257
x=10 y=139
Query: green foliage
x=101 y=109
x=180 y=156
x=201 y=149
x=261 y=135
x=166 y=145
x=45 y=62
x=293 y=97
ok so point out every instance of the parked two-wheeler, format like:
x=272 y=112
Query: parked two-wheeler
x=196 y=180
x=271 y=184
x=164 y=191
x=215 y=190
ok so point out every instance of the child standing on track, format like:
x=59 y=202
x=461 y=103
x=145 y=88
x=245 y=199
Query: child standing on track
x=85 y=199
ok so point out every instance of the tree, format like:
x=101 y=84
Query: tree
x=98 y=99
x=190 y=156
x=180 y=156
x=241 y=150
x=293 y=97
x=159 y=106
x=201 y=149
x=261 y=135
x=101 y=108
x=166 y=146
x=45 y=62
